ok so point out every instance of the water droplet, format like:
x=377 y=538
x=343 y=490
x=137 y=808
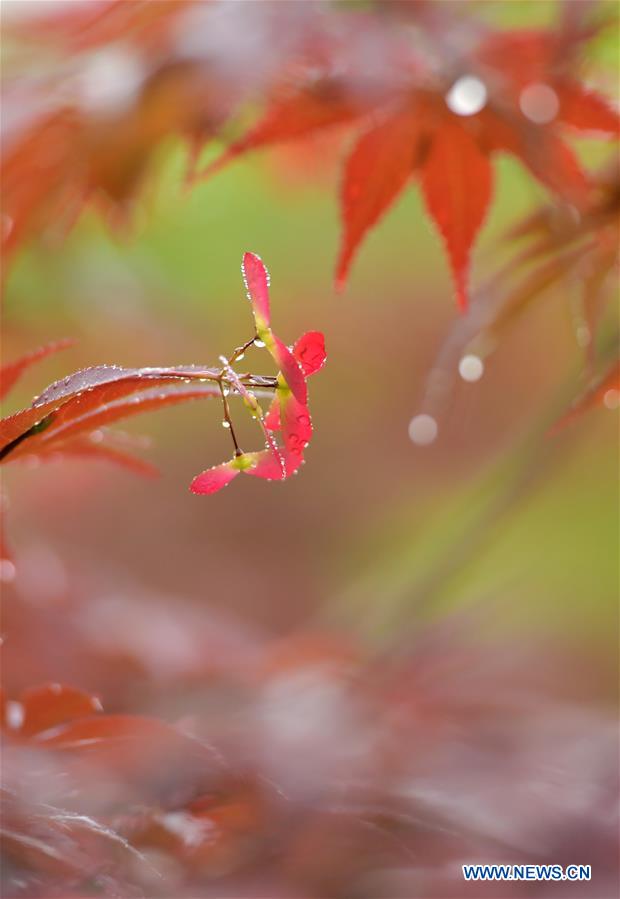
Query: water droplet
x=423 y=429
x=240 y=357
x=259 y=343
x=471 y=368
x=467 y=96
x=611 y=399
x=539 y=103
x=225 y=424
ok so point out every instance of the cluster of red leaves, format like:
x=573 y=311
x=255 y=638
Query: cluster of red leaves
x=564 y=244
x=312 y=772
x=579 y=247
x=72 y=415
x=558 y=247
x=413 y=105
x=79 y=850
x=420 y=131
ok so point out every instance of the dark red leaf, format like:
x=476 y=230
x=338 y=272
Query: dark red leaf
x=298 y=113
x=457 y=184
x=586 y=110
x=52 y=704
x=554 y=164
x=86 y=392
x=73 y=419
x=374 y=175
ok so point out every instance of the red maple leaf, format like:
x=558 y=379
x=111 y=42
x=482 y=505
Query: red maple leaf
x=514 y=94
x=59 y=159
x=518 y=100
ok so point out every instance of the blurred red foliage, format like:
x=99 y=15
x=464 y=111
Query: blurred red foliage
x=311 y=770
x=437 y=107
x=555 y=246
x=226 y=763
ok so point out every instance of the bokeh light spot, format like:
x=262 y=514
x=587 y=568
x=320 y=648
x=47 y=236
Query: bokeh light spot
x=7 y=571
x=423 y=430
x=467 y=96
x=110 y=79
x=539 y=103
x=471 y=368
